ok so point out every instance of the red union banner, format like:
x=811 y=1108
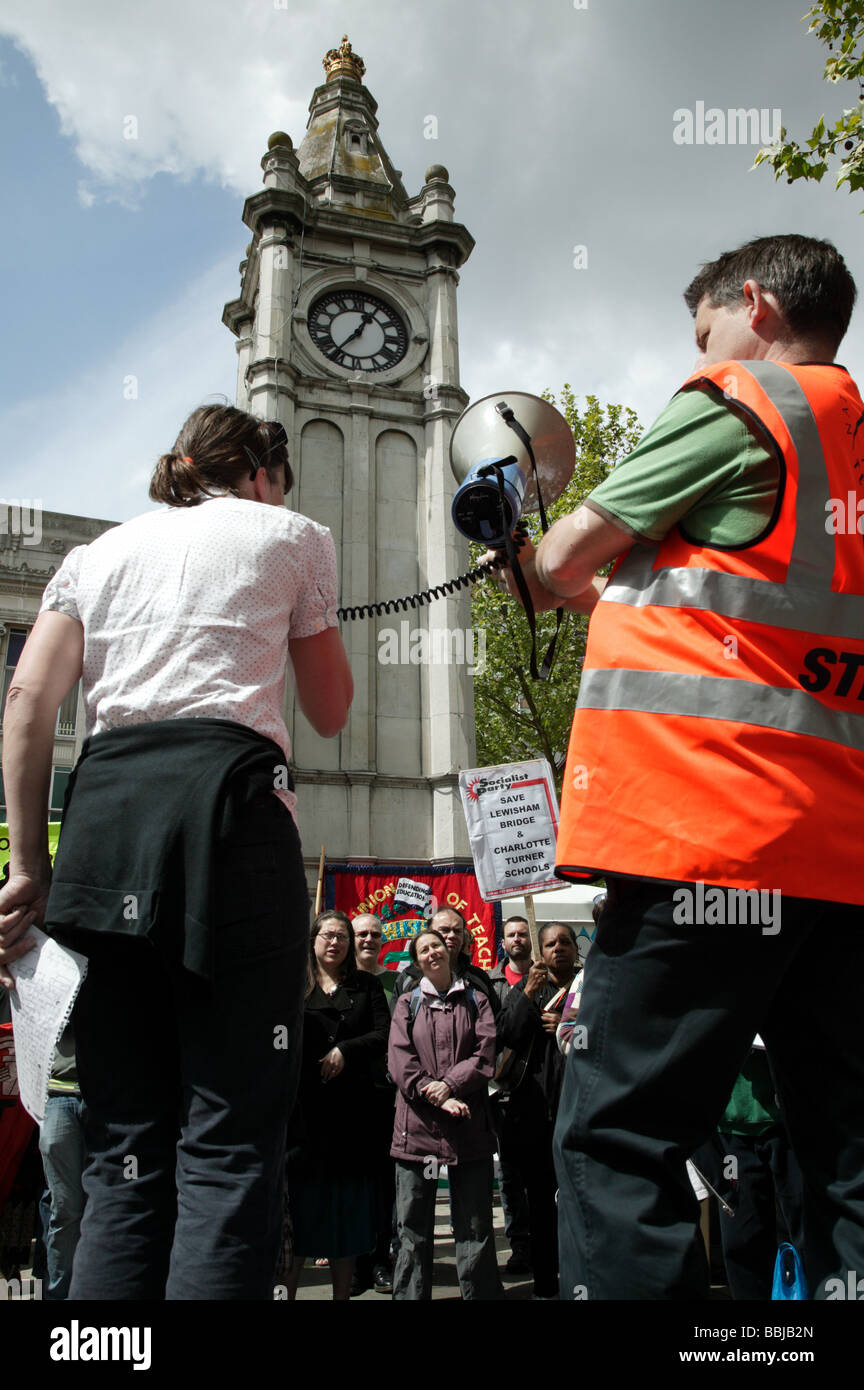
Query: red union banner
x=394 y=895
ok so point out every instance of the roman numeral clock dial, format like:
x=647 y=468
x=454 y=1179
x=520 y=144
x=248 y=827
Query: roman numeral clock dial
x=357 y=331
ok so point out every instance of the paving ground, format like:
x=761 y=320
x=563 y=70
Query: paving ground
x=315 y=1283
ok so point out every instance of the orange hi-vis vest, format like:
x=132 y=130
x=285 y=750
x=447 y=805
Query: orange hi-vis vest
x=719 y=732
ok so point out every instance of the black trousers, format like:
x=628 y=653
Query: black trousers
x=383 y=1172
x=669 y=1012
x=188 y=1087
x=767 y=1181
x=525 y=1137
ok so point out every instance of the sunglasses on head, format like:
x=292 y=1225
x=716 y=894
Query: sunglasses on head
x=278 y=440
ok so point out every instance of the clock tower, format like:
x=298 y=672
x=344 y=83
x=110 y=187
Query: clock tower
x=347 y=333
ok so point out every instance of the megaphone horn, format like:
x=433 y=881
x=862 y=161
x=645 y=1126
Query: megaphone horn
x=491 y=463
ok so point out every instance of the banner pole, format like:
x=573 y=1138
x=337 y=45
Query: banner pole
x=532 y=926
x=319 y=891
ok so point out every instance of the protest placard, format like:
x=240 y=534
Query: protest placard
x=512 y=814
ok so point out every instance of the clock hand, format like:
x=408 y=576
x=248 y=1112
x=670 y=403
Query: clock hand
x=367 y=318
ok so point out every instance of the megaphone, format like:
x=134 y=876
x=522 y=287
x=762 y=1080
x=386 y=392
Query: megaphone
x=491 y=457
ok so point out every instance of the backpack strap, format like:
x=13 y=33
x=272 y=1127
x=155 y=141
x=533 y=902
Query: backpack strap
x=416 y=998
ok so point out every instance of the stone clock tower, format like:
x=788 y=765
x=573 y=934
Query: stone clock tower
x=346 y=328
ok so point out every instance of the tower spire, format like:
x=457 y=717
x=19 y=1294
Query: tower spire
x=342 y=158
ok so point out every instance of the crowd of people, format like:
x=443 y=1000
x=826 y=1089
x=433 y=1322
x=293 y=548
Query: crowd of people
x=468 y=1065
x=388 y=1108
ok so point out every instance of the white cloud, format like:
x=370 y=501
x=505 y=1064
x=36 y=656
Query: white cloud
x=591 y=357
x=192 y=75
x=537 y=125
x=89 y=451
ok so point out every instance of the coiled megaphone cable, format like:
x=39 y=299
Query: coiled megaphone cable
x=450 y=586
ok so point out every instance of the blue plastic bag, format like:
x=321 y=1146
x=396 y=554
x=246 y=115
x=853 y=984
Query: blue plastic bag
x=789 y=1282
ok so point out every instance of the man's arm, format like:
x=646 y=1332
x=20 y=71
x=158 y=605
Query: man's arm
x=700 y=460
x=571 y=553
x=519 y=1020
x=562 y=572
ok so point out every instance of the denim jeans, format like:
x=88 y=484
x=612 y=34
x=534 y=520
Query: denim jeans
x=64 y=1154
x=188 y=1087
x=669 y=1012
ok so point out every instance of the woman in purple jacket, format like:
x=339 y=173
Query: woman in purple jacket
x=441 y=1057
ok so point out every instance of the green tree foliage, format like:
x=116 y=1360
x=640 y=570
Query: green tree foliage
x=518 y=718
x=840 y=25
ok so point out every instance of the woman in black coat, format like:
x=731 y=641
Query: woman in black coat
x=330 y=1187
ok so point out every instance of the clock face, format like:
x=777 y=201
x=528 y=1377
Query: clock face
x=357 y=331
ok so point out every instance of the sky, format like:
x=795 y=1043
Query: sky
x=122 y=237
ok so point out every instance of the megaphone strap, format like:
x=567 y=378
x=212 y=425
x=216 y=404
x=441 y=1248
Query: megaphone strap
x=509 y=418
x=511 y=552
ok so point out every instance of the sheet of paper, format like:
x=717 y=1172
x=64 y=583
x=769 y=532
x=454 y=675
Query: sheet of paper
x=47 y=981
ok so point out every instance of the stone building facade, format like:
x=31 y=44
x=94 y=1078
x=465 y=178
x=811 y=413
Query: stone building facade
x=33 y=545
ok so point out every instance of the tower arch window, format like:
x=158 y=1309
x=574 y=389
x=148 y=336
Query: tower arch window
x=356 y=139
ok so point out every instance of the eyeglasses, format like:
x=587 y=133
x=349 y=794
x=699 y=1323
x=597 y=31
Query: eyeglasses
x=333 y=936
x=373 y=935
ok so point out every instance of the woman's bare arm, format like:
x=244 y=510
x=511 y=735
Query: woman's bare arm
x=325 y=686
x=48 y=668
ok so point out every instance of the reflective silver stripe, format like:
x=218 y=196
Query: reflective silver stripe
x=805 y=602
x=813 y=548
x=716 y=697
x=788 y=606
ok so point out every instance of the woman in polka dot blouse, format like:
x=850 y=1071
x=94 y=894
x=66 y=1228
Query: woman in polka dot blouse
x=179 y=872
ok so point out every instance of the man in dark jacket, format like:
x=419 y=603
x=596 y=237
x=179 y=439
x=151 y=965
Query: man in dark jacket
x=514 y=1199
x=527 y=1022
x=452 y=927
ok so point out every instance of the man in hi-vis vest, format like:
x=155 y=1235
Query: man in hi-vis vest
x=715 y=778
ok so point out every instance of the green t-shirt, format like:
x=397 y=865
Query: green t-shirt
x=700 y=463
